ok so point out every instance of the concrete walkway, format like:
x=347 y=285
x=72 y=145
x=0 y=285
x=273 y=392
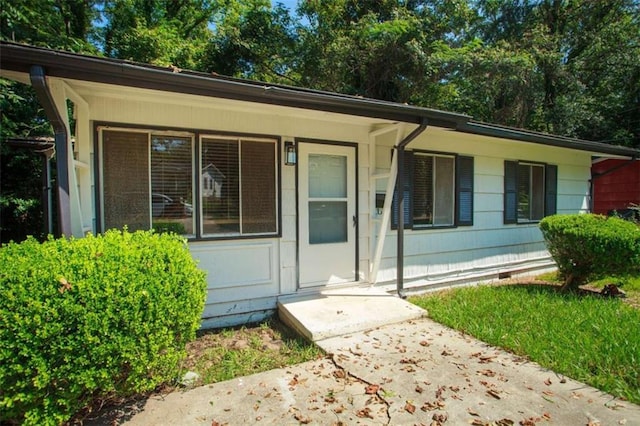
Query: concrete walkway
x=409 y=373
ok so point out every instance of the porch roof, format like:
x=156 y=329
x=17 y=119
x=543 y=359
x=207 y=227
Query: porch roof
x=20 y=58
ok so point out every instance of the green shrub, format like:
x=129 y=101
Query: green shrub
x=168 y=227
x=97 y=317
x=587 y=246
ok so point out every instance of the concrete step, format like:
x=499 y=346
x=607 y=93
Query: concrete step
x=333 y=313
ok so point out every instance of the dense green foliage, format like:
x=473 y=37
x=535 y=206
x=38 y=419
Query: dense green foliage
x=97 y=317
x=568 y=67
x=588 y=338
x=587 y=246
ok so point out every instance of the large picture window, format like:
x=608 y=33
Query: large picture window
x=149 y=181
x=438 y=191
x=529 y=191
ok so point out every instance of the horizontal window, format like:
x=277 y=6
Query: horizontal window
x=149 y=181
x=437 y=189
x=529 y=191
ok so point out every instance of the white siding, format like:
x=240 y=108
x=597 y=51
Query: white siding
x=246 y=277
x=489 y=247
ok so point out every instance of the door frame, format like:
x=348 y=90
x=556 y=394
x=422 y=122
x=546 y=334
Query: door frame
x=301 y=140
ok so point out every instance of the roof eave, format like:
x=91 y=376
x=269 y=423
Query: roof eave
x=521 y=135
x=21 y=58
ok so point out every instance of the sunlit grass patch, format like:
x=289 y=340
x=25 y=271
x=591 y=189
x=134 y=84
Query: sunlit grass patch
x=233 y=352
x=589 y=338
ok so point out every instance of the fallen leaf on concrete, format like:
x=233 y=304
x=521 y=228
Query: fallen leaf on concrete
x=548 y=382
x=486 y=359
x=339 y=374
x=446 y=352
x=372 y=389
x=424 y=343
x=478 y=422
x=593 y=423
x=364 y=413
x=419 y=389
x=494 y=393
x=430 y=406
x=487 y=372
x=472 y=412
x=504 y=422
x=440 y=391
x=294 y=381
x=440 y=417
x=409 y=408
x=339 y=409
x=301 y=418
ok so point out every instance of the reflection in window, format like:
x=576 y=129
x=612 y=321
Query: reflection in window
x=239 y=186
x=433 y=190
x=149 y=182
x=530 y=192
x=171 y=184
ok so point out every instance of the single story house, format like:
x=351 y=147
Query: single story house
x=616 y=185
x=306 y=179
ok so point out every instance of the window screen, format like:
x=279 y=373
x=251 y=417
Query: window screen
x=125 y=180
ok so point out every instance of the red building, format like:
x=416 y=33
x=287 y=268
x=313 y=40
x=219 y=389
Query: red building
x=616 y=184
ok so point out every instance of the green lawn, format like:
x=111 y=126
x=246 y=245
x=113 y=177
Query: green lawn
x=588 y=338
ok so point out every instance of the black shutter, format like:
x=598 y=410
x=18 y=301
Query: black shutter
x=551 y=190
x=464 y=191
x=408 y=194
x=510 y=192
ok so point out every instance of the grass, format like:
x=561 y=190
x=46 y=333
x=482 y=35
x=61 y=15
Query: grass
x=220 y=355
x=630 y=284
x=589 y=338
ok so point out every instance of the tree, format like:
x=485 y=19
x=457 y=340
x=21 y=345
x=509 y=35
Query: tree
x=252 y=39
x=161 y=32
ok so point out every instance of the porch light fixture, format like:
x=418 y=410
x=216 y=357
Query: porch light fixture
x=290 y=153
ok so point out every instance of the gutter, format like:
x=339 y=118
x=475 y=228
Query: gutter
x=61 y=138
x=66 y=65
x=400 y=205
x=522 y=135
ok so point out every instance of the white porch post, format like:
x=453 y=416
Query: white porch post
x=388 y=198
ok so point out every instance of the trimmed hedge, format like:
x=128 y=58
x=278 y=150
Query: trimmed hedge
x=588 y=246
x=97 y=317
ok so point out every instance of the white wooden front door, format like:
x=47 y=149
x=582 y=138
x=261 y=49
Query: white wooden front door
x=327 y=214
